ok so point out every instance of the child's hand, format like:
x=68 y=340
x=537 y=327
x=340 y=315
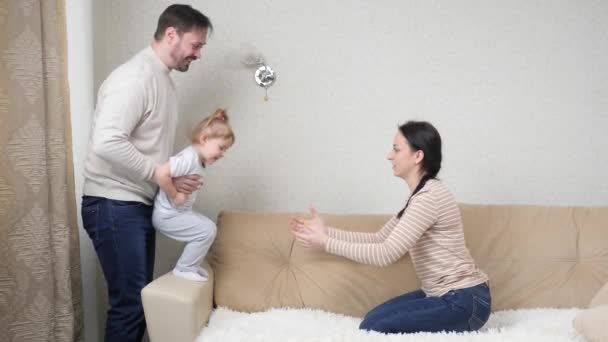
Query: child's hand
x=180 y=199
x=157 y=176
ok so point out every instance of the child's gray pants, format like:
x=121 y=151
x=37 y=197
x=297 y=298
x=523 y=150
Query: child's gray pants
x=196 y=230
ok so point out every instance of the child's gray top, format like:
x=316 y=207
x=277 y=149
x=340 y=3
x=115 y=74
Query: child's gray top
x=184 y=163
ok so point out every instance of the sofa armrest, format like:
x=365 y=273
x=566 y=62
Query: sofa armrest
x=176 y=309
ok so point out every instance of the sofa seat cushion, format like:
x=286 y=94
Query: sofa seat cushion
x=307 y=325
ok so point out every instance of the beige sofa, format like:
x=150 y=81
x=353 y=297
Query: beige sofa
x=535 y=256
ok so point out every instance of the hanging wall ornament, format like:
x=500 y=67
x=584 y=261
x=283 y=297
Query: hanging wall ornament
x=265 y=77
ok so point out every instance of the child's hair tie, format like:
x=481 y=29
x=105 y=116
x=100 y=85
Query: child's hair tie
x=220 y=115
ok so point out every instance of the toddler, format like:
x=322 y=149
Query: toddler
x=173 y=215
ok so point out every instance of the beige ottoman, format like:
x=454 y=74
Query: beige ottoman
x=176 y=309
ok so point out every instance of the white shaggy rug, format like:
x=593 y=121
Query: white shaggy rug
x=292 y=325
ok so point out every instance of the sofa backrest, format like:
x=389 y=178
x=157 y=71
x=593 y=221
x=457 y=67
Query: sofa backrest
x=535 y=257
x=258 y=266
x=539 y=256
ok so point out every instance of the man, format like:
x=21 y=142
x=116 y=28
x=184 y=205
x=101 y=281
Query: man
x=133 y=131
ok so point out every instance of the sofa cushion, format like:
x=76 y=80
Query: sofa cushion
x=258 y=266
x=601 y=297
x=592 y=323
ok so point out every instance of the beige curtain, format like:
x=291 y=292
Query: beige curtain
x=40 y=290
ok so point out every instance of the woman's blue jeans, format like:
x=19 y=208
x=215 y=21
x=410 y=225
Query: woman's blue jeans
x=124 y=239
x=458 y=310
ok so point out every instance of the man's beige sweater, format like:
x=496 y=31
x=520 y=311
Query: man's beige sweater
x=133 y=130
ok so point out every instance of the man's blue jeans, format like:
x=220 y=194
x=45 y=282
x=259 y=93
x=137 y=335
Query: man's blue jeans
x=458 y=310
x=124 y=239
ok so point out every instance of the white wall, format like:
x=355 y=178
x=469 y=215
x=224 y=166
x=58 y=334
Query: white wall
x=517 y=89
x=79 y=17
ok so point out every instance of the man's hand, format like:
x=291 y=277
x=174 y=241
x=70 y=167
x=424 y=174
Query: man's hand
x=187 y=184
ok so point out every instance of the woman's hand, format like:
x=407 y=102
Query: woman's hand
x=187 y=184
x=309 y=233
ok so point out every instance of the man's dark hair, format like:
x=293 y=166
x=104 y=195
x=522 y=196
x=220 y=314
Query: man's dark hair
x=184 y=18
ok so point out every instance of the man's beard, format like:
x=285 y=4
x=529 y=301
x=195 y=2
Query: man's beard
x=184 y=65
x=183 y=68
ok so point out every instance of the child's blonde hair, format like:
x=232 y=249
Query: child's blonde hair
x=214 y=126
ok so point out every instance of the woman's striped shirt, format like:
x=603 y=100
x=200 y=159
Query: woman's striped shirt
x=430 y=229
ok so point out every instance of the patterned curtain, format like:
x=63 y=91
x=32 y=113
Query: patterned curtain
x=40 y=289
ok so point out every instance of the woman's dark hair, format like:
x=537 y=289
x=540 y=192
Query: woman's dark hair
x=183 y=17
x=421 y=135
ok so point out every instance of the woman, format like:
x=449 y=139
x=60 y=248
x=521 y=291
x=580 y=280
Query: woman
x=454 y=294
